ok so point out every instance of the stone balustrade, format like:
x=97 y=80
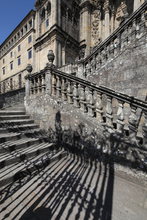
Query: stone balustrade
x=119 y=113
x=13 y=83
x=132 y=30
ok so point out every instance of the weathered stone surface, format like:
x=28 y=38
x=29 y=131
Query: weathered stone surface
x=126 y=72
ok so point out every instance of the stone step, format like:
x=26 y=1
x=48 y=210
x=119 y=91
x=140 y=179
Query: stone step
x=3 y=130
x=11 y=112
x=21 y=143
x=9 y=136
x=16 y=122
x=23 y=127
x=20 y=155
x=14 y=117
x=18 y=171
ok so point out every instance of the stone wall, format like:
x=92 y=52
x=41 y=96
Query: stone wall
x=126 y=72
x=12 y=98
x=70 y=128
x=120 y=61
x=44 y=110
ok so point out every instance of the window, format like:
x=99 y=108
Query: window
x=20 y=80
x=3 y=61
x=11 y=83
x=47 y=23
x=19 y=48
x=11 y=65
x=3 y=69
x=30 y=23
x=11 y=54
x=30 y=39
x=30 y=53
x=18 y=35
x=22 y=32
x=19 y=60
x=26 y=28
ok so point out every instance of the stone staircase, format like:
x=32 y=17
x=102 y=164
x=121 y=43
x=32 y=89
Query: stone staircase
x=24 y=148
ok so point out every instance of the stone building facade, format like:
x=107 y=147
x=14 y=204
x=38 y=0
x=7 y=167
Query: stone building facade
x=70 y=28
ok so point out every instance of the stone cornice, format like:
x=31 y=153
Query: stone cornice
x=55 y=30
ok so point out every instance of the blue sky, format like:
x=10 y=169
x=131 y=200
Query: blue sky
x=11 y=14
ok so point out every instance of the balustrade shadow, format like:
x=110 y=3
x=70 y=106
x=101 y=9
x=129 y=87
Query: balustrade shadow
x=83 y=179
x=80 y=185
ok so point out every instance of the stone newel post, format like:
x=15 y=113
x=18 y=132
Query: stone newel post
x=29 y=69
x=48 y=76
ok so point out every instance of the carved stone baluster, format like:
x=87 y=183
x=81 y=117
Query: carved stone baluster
x=83 y=99
x=142 y=24
x=48 y=80
x=32 y=86
x=43 y=83
x=144 y=129
x=70 y=92
x=133 y=124
x=64 y=90
x=99 y=107
x=40 y=83
x=58 y=87
x=35 y=84
x=109 y=112
x=54 y=84
x=133 y=34
x=111 y=48
x=120 y=116
x=90 y=105
x=76 y=95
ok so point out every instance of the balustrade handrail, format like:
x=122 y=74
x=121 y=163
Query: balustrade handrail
x=103 y=90
x=115 y=33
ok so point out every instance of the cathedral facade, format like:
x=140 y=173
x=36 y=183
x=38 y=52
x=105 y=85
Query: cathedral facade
x=70 y=28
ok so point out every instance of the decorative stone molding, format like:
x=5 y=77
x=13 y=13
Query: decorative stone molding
x=95 y=27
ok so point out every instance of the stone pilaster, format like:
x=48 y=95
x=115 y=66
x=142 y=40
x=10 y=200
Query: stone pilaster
x=107 y=18
x=54 y=12
x=137 y=4
x=85 y=24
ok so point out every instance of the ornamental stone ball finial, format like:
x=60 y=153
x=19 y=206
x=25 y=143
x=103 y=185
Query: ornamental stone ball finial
x=51 y=57
x=29 y=68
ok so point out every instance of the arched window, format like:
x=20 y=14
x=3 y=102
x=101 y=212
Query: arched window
x=48 y=8
x=42 y=14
